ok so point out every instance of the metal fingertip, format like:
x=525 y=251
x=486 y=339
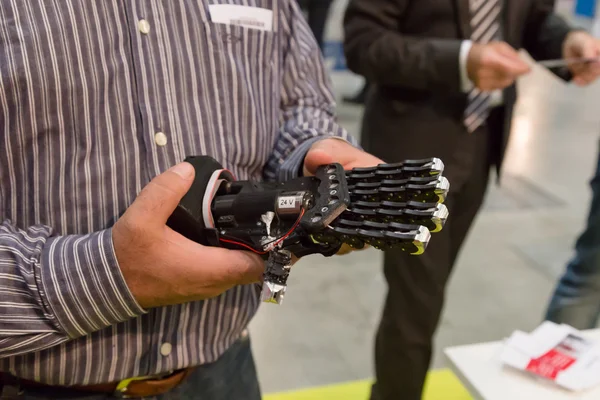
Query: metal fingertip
x=443 y=184
x=442 y=188
x=272 y=293
x=438 y=166
x=421 y=240
x=439 y=217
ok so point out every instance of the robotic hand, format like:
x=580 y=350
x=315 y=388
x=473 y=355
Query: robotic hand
x=386 y=206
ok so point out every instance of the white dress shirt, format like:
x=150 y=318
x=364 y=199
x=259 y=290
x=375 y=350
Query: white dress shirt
x=466 y=83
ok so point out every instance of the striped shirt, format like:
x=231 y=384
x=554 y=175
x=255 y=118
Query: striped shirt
x=97 y=98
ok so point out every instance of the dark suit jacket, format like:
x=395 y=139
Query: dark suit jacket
x=409 y=51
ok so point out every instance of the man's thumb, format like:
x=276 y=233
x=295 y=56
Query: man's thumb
x=314 y=159
x=160 y=197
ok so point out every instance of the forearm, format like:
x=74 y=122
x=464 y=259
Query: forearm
x=57 y=288
x=375 y=49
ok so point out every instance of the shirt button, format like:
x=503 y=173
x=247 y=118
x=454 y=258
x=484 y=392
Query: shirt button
x=144 y=26
x=160 y=138
x=165 y=349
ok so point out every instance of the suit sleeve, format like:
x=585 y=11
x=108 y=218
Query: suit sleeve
x=375 y=48
x=544 y=31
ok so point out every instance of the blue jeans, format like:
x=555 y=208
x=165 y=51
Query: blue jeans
x=576 y=300
x=232 y=377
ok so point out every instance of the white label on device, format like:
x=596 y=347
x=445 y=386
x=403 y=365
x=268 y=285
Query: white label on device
x=287 y=202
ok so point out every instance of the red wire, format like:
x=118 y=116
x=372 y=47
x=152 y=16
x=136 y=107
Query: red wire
x=243 y=245
x=291 y=230
x=275 y=244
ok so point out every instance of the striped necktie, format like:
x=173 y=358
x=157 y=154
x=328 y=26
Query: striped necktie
x=485 y=24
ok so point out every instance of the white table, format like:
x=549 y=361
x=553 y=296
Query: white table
x=479 y=369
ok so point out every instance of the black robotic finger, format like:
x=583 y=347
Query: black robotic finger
x=356 y=177
x=393 y=205
x=349 y=224
x=359 y=214
x=424 y=167
x=408 y=216
x=374 y=225
x=396 y=194
x=362 y=170
x=389 y=215
x=396 y=174
x=328 y=237
x=415 y=194
x=410 y=192
x=364 y=195
x=415 y=242
x=366 y=185
x=368 y=205
x=429 y=184
x=399 y=228
x=350 y=237
x=434 y=166
x=374 y=239
x=394 y=182
x=420 y=205
x=432 y=218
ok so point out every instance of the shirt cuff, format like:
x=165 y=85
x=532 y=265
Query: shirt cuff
x=465 y=48
x=83 y=284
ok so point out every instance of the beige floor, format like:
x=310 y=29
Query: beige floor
x=323 y=332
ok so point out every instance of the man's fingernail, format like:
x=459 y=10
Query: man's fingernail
x=184 y=169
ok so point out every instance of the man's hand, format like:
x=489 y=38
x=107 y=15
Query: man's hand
x=329 y=151
x=160 y=266
x=495 y=65
x=579 y=44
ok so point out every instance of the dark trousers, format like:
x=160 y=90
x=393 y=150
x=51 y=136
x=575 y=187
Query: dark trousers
x=318 y=11
x=576 y=299
x=417 y=284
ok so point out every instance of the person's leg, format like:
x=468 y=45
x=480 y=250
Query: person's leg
x=412 y=307
x=417 y=284
x=303 y=5
x=576 y=299
x=232 y=377
x=318 y=12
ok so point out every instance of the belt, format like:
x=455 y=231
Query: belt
x=128 y=388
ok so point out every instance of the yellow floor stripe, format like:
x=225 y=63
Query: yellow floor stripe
x=441 y=385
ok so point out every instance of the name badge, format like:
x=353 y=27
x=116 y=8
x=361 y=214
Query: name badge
x=248 y=17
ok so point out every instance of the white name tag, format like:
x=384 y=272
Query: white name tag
x=249 y=17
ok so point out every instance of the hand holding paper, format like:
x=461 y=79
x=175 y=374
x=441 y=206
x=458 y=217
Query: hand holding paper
x=577 y=45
